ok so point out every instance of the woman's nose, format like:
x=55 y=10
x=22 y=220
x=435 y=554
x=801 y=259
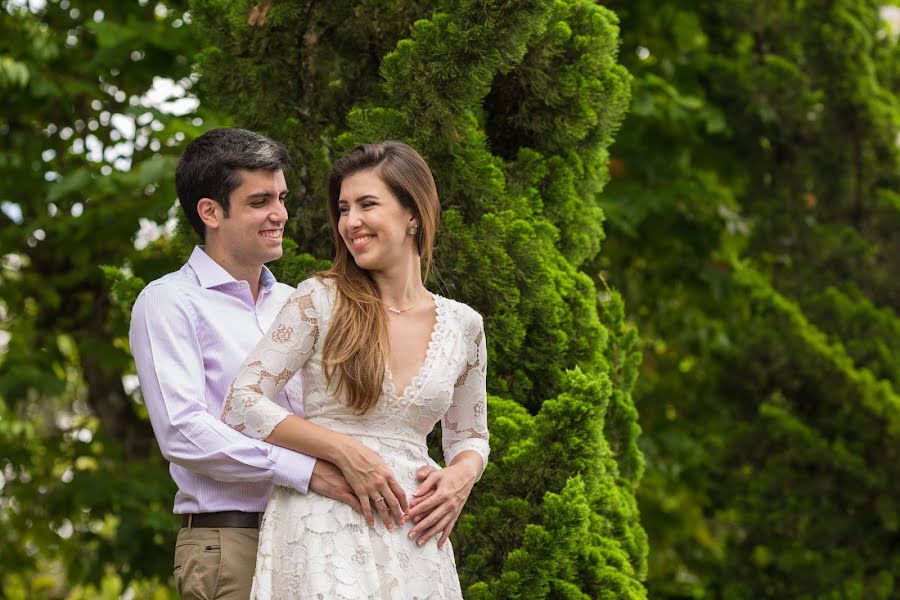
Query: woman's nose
x=353 y=217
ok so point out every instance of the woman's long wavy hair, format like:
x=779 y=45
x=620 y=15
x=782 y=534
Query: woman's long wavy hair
x=356 y=346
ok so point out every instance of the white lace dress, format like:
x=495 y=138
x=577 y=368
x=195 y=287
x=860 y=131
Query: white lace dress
x=313 y=547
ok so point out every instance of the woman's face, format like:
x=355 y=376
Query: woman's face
x=373 y=223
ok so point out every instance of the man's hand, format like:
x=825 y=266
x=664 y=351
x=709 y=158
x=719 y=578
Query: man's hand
x=328 y=480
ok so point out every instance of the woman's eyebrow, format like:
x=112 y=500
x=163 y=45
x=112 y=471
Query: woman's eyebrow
x=360 y=199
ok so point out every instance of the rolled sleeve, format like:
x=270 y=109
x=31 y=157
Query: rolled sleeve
x=292 y=469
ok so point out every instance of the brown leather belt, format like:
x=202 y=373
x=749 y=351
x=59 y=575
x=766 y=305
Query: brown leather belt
x=228 y=518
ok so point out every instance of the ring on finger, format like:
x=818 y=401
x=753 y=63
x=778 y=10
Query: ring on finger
x=381 y=499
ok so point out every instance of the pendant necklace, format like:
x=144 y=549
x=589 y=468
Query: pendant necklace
x=398 y=311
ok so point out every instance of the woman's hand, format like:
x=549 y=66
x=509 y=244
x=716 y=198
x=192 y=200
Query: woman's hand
x=439 y=500
x=372 y=482
x=368 y=476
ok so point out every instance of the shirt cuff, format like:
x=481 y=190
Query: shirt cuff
x=292 y=469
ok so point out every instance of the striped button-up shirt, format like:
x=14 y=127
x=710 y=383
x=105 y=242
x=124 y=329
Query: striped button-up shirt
x=190 y=332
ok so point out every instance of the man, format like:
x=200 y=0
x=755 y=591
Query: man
x=190 y=331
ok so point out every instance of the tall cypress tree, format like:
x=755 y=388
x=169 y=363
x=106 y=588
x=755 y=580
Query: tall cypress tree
x=514 y=106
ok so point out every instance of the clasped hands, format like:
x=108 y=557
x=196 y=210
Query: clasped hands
x=364 y=483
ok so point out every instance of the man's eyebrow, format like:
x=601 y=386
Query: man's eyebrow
x=264 y=195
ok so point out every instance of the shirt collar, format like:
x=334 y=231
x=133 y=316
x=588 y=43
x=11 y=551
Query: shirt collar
x=266 y=278
x=210 y=274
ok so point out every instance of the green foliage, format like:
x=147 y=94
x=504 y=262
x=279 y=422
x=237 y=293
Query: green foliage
x=536 y=544
x=748 y=214
x=295 y=266
x=752 y=230
x=513 y=105
x=74 y=173
x=70 y=494
x=85 y=496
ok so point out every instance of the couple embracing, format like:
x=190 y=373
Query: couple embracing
x=295 y=419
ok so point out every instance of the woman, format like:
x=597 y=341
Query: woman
x=383 y=360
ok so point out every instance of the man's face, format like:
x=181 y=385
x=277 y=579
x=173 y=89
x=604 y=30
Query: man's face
x=253 y=230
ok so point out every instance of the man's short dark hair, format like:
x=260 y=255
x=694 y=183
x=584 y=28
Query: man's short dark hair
x=208 y=168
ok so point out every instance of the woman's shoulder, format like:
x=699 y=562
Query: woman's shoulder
x=461 y=313
x=314 y=284
x=319 y=289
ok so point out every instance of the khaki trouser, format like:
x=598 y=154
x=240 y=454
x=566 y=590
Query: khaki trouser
x=215 y=564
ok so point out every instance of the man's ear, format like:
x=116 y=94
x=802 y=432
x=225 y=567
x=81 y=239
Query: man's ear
x=210 y=212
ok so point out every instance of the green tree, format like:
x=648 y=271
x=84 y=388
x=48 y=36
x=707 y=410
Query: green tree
x=753 y=216
x=84 y=158
x=514 y=106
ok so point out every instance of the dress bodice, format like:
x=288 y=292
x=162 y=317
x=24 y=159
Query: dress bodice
x=450 y=385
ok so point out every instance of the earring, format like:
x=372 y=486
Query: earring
x=412 y=230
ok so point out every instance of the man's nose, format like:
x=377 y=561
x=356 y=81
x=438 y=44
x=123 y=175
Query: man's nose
x=280 y=213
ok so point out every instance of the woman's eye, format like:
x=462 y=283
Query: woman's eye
x=343 y=209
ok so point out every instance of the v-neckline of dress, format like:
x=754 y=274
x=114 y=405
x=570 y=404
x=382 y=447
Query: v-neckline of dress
x=415 y=384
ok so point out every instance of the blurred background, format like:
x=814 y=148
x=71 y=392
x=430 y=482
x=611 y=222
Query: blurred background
x=729 y=172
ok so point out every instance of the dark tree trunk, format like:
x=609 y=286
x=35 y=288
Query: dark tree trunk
x=113 y=407
x=106 y=395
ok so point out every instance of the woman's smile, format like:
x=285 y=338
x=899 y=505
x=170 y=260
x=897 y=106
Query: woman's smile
x=361 y=241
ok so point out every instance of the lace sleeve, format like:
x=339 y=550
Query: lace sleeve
x=465 y=423
x=249 y=406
